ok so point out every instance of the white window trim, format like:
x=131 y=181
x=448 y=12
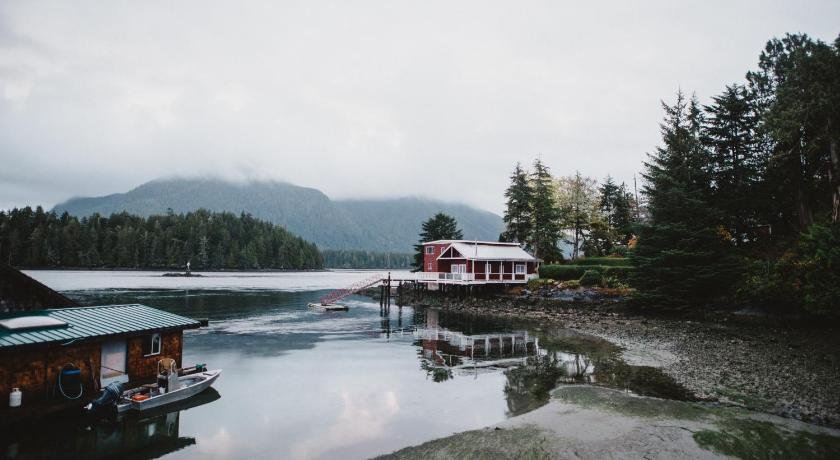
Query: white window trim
x=458 y=268
x=430 y=266
x=430 y=249
x=519 y=269
x=152 y=345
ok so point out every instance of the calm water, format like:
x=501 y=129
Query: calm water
x=302 y=384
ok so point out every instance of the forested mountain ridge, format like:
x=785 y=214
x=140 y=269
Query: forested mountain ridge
x=369 y=224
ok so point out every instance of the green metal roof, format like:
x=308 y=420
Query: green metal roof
x=89 y=322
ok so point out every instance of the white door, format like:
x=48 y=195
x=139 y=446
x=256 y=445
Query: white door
x=113 y=362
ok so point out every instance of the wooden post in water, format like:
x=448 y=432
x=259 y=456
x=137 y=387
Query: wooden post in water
x=381 y=296
x=388 y=294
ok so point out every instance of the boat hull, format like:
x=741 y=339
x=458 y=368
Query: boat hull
x=191 y=385
x=328 y=307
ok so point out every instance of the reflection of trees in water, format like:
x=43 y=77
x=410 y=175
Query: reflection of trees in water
x=563 y=357
x=436 y=358
x=438 y=373
x=529 y=385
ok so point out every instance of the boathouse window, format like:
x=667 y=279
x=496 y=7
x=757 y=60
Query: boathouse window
x=430 y=266
x=520 y=269
x=151 y=344
x=430 y=249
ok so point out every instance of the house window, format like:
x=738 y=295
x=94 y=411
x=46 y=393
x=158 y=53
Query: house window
x=430 y=266
x=430 y=249
x=459 y=268
x=151 y=344
x=520 y=269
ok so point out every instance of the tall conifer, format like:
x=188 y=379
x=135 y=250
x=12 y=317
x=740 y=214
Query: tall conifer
x=682 y=257
x=518 y=211
x=438 y=227
x=546 y=215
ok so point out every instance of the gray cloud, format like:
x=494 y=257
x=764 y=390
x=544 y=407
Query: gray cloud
x=357 y=98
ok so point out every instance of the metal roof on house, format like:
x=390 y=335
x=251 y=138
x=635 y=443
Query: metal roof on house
x=494 y=243
x=492 y=251
x=91 y=322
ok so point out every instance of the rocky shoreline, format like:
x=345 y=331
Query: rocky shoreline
x=767 y=366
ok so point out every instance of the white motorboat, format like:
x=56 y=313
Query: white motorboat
x=151 y=396
x=328 y=307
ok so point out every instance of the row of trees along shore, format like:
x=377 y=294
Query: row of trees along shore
x=346 y=258
x=740 y=204
x=208 y=240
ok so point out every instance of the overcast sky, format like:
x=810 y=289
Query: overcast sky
x=358 y=99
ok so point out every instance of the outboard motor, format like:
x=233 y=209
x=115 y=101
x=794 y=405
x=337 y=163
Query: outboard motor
x=108 y=399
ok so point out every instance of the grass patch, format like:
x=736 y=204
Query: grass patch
x=755 y=439
x=748 y=401
x=528 y=442
x=624 y=404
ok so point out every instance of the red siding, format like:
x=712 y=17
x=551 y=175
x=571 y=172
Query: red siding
x=477 y=267
x=432 y=258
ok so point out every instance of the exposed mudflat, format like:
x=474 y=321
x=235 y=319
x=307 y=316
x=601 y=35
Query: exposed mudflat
x=790 y=371
x=592 y=422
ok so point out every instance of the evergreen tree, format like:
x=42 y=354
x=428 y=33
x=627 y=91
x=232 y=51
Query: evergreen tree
x=730 y=132
x=438 y=227
x=518 y=215
x=623 y=214
x=682 y=257
x=797 y=87
x=546 y=228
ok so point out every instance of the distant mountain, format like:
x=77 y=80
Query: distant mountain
x=374 y=225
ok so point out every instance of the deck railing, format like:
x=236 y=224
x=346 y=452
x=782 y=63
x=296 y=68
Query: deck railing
x=470 y=277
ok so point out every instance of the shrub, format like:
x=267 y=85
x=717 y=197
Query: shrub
x=806 y=278
x=614 y=283
x=574 y=272
x=571 y=284
x=591 y=278
x=619 y=251
x=604 y=261
x=616 y=272
x=537 y=283
x=562 y=272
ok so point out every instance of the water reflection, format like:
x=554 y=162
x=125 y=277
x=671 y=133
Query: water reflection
x=533 y=360
x=306 y=384
x=149 y=435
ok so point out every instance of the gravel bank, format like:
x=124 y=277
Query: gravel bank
x=792 y=371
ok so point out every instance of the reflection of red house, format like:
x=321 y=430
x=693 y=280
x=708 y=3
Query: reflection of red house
x=477 y=262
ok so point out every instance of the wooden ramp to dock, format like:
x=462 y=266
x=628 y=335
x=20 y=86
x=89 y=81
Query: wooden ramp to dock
x=339 y=294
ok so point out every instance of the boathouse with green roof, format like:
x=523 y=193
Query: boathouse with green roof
x=101 y=344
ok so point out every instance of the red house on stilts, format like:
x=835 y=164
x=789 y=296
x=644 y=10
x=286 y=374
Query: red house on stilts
x=476 y=262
